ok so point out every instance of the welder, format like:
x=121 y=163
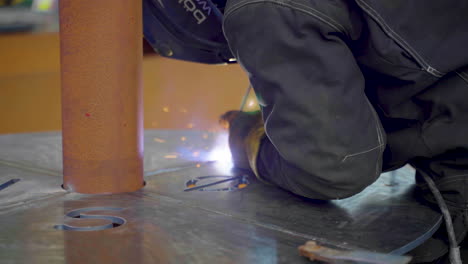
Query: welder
x=347 y=90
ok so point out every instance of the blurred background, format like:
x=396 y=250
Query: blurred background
x=177 y=95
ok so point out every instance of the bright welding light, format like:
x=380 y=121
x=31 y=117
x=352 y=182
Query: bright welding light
x=221 y=153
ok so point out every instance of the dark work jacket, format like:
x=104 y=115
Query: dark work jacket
x=349 y=89
x=340 y=82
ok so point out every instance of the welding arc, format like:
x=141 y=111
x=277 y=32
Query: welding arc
x=244 y=99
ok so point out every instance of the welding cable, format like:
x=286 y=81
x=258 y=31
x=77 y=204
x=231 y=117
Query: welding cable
x=213 y=183
x=244 y=99
x=455 y=257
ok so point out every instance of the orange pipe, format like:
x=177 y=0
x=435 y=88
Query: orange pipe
x=102 y=123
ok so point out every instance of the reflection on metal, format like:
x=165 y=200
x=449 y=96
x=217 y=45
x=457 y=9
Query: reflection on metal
x=188 y=165
x=8 y=183
x=113 y=221
x=240 y=182
x=164 y=224
x=329 y=255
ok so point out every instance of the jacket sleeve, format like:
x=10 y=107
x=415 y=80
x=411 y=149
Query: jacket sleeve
x=324 y=139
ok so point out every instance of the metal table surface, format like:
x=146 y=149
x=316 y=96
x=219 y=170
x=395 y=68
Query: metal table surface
x=162 y=223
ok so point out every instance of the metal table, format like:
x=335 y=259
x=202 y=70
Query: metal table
x=162 y=223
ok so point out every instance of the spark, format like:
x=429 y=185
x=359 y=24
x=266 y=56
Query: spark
x=183 y=138
x=190 y=125
x=183 y=110
x=205 y=136
x=165 y=109
x=159 y=140
x=171 y=156
x=251 y=103
x=198 y=165
x=196 y=154
x=242 y=186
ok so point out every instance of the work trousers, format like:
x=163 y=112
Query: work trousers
x=345 y=94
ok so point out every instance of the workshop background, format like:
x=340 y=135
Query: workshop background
x=177 y=94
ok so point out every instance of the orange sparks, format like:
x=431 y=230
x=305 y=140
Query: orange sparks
x=196 y=154
x=183 y=138
x=205 y=136
x=198 y=165
x=170 y=156
x=183 y=110
x=159 y=140
x=190 y=125
x=165 y=109
x=191 y=185
x=242 y=186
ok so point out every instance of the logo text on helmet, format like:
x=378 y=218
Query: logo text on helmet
x=199 y=12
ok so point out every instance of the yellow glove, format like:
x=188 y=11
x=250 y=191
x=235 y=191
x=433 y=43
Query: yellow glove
x=246 y=131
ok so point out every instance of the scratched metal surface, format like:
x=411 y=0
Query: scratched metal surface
x=164 y=224
x=32 y=186
x=384 y=217
x=157 y=230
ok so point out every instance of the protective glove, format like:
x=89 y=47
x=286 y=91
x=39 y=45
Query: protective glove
x=246 y=131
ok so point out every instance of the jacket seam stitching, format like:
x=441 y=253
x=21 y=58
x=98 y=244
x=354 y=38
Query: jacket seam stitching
x=318 y=15
x=362 y=152
x=422 y=129
x=379 y=135
x=336 y=24
x=428 y=68
x=442 y=183
x=462 y=75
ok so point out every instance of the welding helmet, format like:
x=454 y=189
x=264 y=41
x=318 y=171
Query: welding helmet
x=188 y=30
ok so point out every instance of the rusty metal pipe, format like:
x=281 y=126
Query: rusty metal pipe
x=102 y=123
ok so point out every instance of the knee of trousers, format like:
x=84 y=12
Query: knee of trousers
x=337 y=180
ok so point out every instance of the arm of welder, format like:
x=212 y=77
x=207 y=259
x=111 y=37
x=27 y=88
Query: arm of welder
x=324 y=139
